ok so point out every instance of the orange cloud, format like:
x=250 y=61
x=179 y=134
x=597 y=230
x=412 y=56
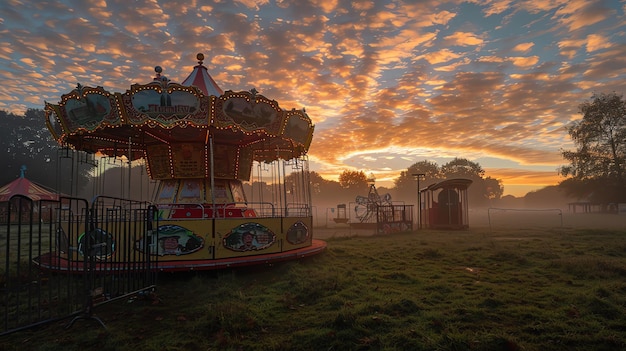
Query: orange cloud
x=525 y=62
x=597 y=42
x=577 y=14
x=387 y=83
x=440 y=56
x=464 y=39
x=523 y=47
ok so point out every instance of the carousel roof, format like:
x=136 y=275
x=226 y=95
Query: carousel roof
x=175 y=126
x=200 y=78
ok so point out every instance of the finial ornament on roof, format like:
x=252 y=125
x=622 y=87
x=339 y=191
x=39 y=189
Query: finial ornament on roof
x=159 y=78
x=200 y=57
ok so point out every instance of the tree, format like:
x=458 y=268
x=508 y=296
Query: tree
x=492 y=188
x=462 y=168
x=326 y=193
x=354 y=180
x=549 y=196
x=406 y=184
x=596 y=168
x=482 y=190
x=430 y=170
x=113 y=180
x=317 y=182
x=26 y=141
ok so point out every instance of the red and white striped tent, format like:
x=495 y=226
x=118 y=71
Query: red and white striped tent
x=200 y=78
x=23 y=186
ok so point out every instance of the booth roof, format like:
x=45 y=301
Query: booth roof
x=458 y=183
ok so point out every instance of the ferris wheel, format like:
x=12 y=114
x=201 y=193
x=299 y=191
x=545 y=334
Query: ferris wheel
x=366 y=206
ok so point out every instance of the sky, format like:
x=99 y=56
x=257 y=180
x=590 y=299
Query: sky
x=386 y=83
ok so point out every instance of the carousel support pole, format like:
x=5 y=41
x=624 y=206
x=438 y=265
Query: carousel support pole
x=212 y=173
x=130 y=160
x=75 y=156
x=284 y=187
x=259 y=180
x=102 y=174
x=307 y=187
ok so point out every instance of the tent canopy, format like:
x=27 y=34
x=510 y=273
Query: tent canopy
x=23 y=186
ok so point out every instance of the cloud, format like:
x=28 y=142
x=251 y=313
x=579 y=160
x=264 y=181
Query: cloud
x=525 y=62
x=252 y=4
x=441 y=56
x=387 y=83
x=577 y=14
x=597 y=42
x=463 y=39
x=497 y=7
x=439 y=18
x=523 y=47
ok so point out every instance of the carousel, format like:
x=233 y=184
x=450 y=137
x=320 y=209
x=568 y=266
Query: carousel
x=206 y=148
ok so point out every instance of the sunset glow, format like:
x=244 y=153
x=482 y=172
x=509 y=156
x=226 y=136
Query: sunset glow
x=386 y=83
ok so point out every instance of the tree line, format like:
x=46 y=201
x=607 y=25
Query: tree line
x=27 y=144
x=596 y=171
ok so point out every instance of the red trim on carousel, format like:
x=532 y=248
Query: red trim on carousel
x=53 y=262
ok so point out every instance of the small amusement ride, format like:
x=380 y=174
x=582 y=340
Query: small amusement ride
x=376 y=212
x=202 y=145
x=366 y=207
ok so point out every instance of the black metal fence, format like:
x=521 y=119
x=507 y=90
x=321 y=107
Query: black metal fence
x=394 y=218
x=61 y=259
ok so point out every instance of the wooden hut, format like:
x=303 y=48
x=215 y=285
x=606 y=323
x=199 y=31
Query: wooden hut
x=445 y=204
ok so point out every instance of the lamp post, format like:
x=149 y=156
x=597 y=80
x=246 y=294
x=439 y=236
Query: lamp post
x=418 y=177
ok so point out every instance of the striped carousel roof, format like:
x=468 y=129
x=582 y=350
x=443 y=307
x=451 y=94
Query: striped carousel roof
x=201 y=79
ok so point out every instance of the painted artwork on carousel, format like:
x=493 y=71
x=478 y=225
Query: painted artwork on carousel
x=173 y=240
x=53 y=121
x=88 y=108
x=236 y=188
x=102 y=244
x=191 y=191
x=159 y=164
x=245 y=163
x=225 y=163
x=165 y=106
x=249 y=112
x=298 y=128
x=167 y=191
x=188 y=160
x=248 y=237
x=298 y=233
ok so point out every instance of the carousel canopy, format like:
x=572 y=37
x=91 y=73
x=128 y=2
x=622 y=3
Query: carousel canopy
x=181 y=129
x=23 y=186
x=201 y=79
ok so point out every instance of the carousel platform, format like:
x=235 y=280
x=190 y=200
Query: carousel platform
x=53 y=262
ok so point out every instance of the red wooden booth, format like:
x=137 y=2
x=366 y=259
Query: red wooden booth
x=445 y=204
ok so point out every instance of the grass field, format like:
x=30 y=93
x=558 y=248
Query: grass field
x=519 y=288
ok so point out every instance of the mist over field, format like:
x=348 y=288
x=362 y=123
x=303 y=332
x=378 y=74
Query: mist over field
x=551 y=210
x=542 y=209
